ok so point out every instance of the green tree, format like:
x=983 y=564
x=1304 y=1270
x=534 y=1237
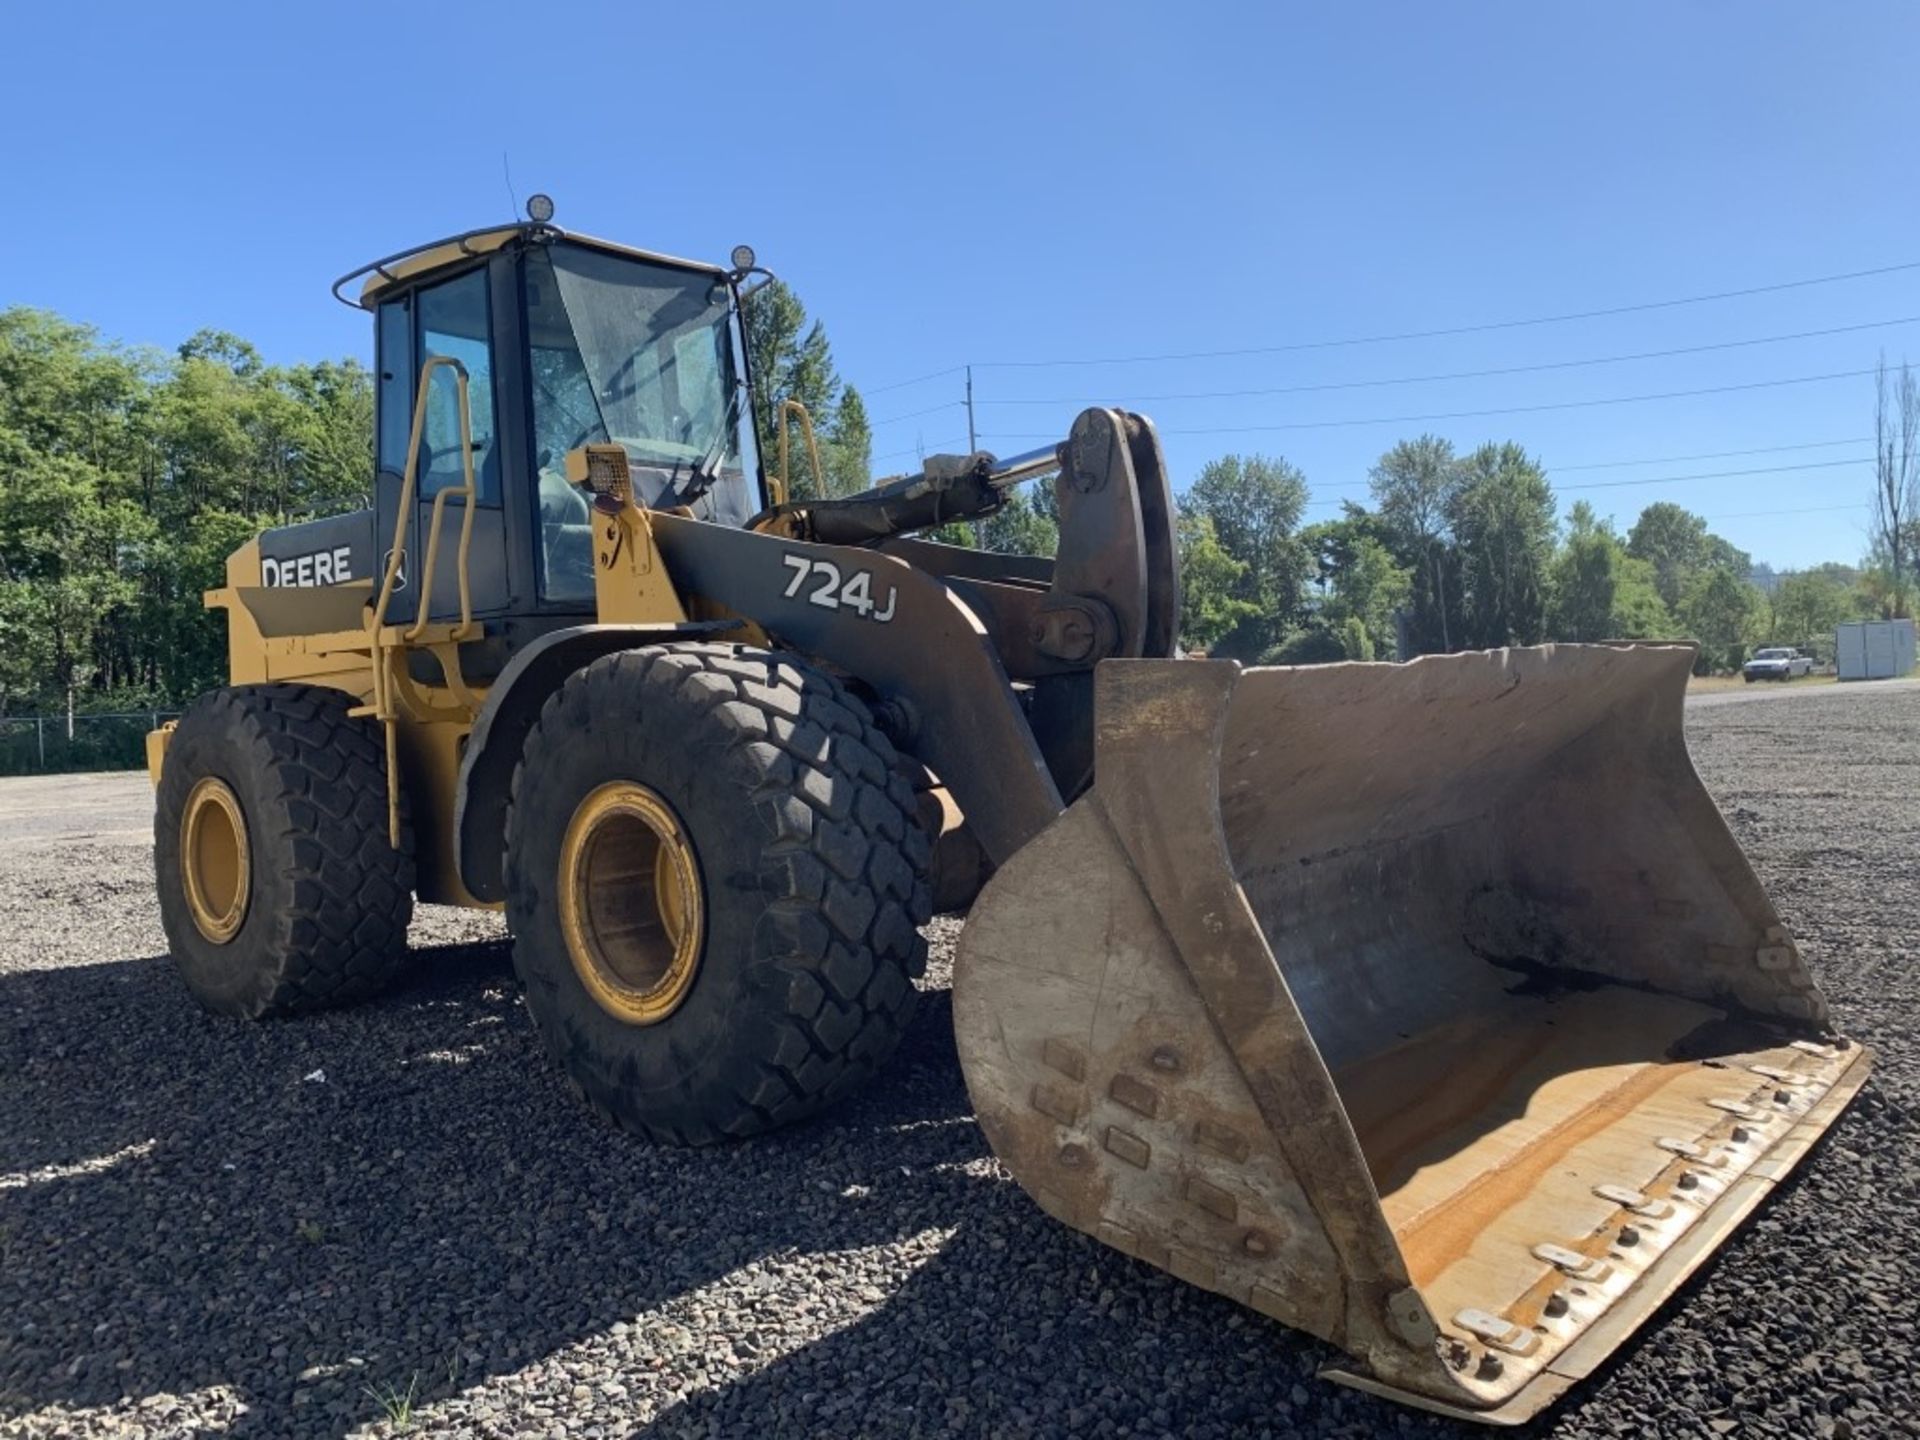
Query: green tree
x=1677 y=543
x=848 y=451
x=1255 y=503
x=792 y=360
x=331 y=432
x=1413 y=485
x=1313 y=644
x=1638 y=611
x=1807 y=607
x=1020 y=528
x=1501 y=513
x=1359 y=580
x=1718 y=610
x=1584 y=580
x=126 y=477
x=1354 y=639
x=1212 y=583
x=1597 y=590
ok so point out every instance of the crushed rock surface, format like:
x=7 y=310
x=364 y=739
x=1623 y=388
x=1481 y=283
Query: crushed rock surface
x=306 y=1229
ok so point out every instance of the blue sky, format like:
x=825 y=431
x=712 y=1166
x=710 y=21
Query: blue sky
x=996 y=183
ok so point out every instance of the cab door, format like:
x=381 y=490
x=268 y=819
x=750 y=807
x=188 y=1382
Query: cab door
x=450 y=318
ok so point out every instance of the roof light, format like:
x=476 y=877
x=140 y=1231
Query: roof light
x=539 y=208
x=743 y=257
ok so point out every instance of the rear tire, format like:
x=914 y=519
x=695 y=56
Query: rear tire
x=784 y=977
x=279 y=891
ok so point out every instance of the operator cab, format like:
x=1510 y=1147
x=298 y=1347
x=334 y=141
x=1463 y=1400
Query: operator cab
x=566 y=341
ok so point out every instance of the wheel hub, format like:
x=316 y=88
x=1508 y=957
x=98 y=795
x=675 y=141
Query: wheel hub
x=630 y=902
x=214 y=859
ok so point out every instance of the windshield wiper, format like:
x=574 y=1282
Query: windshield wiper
x=707 y=472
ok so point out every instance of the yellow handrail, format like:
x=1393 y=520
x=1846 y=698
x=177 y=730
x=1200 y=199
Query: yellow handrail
x=408 y=484
x=380 y=649
x=788 y=409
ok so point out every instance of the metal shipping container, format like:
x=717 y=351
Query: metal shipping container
x=1874 y=649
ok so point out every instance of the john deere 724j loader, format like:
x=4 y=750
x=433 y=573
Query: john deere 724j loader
x=1430 y=1008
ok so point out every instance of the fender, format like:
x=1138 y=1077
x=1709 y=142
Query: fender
x=908 y=637
x=513 y=704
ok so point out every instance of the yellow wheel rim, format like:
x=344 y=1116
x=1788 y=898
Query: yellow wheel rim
x=630 y=902
x=214 y=859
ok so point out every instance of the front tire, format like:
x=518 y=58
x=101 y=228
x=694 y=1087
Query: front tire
x=715 y=878
x=279 y=891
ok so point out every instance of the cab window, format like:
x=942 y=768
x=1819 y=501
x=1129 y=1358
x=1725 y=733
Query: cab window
x=452 y=322
x=398 y=376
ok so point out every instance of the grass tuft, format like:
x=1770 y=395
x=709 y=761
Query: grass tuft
x=397 y=1404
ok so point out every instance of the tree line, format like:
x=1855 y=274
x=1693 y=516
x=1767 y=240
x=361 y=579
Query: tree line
x=126 y=477
x=1461 y=552
x=128 y=474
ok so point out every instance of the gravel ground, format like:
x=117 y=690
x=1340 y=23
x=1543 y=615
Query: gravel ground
x=272 y=1230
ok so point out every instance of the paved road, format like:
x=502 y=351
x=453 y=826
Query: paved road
x=1768 y=690
x=36 y=809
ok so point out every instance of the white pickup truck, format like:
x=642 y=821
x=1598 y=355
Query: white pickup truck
x=1777 y=662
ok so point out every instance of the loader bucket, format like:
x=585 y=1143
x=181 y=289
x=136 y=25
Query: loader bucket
x=1430 y=1008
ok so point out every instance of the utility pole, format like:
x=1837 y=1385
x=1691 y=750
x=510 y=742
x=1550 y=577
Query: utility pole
x=973 y=444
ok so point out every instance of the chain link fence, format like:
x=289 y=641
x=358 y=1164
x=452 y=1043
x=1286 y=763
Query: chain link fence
x=58 y=744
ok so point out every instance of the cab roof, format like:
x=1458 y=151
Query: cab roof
x=390 y=271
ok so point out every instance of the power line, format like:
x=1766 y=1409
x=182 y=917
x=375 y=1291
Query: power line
x=1714 y=455
x=916 y=414
x=1664 y=479
x=933 y=448
x=1803 y=510
x=1468 y=329
x=1405 y=335
x=1707 y=455
x=1474 y=374
x=1503 y=410
x=1716 y=474
x=917 y=380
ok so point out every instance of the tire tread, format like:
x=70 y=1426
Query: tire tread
x=843 y=868
x=344 y=935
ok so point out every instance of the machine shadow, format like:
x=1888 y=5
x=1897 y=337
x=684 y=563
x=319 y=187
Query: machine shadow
x=405 y=1189
x=998 y=1333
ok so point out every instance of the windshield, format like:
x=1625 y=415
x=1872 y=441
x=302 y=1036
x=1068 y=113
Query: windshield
x=1772 y=654
x=638 y=354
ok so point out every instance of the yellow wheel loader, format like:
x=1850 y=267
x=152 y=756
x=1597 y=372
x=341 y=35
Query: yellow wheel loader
x=1430 y=1008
